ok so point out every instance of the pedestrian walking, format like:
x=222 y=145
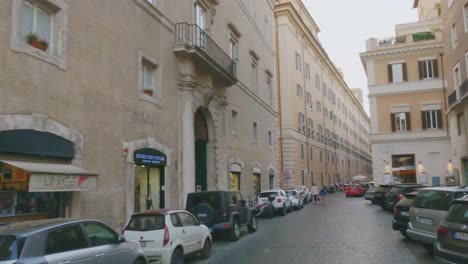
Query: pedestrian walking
x=315 y=192
x=323 y=193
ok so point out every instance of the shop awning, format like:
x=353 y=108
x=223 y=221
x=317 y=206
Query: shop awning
x=55 y=177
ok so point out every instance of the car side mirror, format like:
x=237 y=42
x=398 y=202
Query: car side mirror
x=122 y=239
x=242 y=203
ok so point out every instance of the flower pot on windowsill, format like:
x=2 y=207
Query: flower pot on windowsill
x=148 y=92
x=38 y=44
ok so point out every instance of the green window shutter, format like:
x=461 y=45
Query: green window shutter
x=405 y=74
x=423 y=119
x=392 y=120
x=421 y=69
x=439 y=119
x=390 y=73
x=408 y=121
x=436 y=68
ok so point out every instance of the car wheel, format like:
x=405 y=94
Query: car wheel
x=252 y=227
x=290 y=208
x=206 y=250
x=177 y=256
x=403 y=233
x=235 y=230
x=283 y=210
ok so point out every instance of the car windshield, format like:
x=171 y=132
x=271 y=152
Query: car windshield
x=10 y=247
x=433 y=199
x=146 y=223
x=458 y=213
x=268 y=194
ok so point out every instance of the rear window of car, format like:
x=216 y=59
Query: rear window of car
x=146 y=223
x=212 y=199
x=458 y=213
x=10 y=247
x=290 y=192
x=381 y=189
x=433 y=199
x=396 y=190
x=268 y=194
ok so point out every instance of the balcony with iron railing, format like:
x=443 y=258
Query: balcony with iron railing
x=458 y=94
x=193 y=41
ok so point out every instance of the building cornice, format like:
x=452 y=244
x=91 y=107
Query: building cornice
x=403 y=50
x=406 y=87
x=425 y=135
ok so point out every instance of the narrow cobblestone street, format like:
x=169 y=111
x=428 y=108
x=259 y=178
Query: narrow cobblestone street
x=343 y=230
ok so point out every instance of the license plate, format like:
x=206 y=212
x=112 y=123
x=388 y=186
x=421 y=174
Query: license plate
x=404 y=213
x=424 y=220
x=143 y=243
x=461 y=236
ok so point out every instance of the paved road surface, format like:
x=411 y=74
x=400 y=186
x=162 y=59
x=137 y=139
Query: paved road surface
x=340 y=231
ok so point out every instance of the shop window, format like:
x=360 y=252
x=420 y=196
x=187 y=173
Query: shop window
x=147 y=188
x=41 y=29
x=235 y=181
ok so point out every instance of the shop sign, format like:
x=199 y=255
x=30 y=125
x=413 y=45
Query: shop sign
x=149 y=157
x=61 y=183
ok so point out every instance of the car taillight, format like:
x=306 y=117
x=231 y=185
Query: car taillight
x=395 y=211
x=166 y=235
x=399 y=197
x=442 y=231
x=278 y=200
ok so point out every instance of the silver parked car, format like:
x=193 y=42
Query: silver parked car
x=57 y=241
x=428 y=211
x=452 y=234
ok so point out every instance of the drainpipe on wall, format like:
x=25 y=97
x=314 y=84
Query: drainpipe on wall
x=445 y=95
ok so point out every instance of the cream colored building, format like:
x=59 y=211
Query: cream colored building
x=455 y=31
x=116 y=115
x=409 y=135
x=324 y=130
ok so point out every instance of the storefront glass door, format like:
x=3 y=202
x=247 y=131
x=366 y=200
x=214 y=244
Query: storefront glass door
x=256 y=184
x=147 y=188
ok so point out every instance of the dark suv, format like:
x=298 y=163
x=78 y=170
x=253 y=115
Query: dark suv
x=222 y=211
x=397 y=192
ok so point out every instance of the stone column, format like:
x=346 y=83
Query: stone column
x=187 y=144
x=217 y=109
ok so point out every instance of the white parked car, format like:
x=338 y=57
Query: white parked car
x=166 y=236
x=296 y=198
x=279 y=200
x=306 y=193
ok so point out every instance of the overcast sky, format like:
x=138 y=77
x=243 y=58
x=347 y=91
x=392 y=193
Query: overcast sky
x=346 y=24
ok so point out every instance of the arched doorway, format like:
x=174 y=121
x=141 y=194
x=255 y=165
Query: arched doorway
x=201 y=143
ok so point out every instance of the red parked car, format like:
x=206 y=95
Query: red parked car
x=354 y=190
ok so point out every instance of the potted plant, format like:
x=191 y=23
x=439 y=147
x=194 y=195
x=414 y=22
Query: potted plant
x=148 y=91
x=38 y=41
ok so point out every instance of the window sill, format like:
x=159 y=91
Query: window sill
x=151 y=99
x=22 y=47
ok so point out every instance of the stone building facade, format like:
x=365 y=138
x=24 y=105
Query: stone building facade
x=324 y=130
x=138 y=111
x=455 y=30
x=409 y=131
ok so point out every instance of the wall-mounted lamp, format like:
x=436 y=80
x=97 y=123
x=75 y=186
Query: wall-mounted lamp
x=450 y=166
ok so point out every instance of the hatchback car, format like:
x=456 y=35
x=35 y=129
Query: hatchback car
x=296 y=198
x=280 y=201
x=380 y=192
x=66 y=241
x=428 y=211
x=396 y=193
x=452 y=234
x=401 y=213
x=354 y=190
x=167 y=235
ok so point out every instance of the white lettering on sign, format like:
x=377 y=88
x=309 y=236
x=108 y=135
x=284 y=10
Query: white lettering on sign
x=62 y=182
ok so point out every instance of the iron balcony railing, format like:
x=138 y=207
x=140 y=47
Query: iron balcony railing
x=458 y=93
x=193 y=36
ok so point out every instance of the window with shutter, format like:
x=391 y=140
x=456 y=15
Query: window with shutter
x=390 y=73
x=408 y=121
x=423 y=119
x=393 y=122
x=405 y=74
